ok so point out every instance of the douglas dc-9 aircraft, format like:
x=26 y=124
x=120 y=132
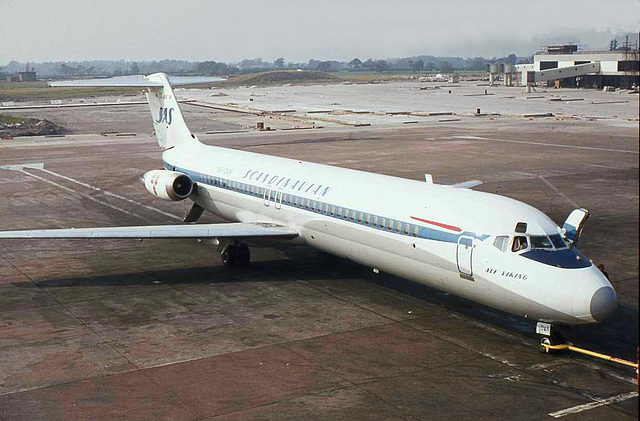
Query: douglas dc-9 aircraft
x=487 y=248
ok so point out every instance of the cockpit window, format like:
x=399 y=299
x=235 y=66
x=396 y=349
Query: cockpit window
x=519 y=243
x=557 y=241
x=501 y=242
x=541 y=242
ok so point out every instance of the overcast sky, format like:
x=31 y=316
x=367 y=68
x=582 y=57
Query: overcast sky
x=229 y=31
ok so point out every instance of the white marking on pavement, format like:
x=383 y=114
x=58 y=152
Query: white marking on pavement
x=574 y=204
x=18 y=167
x=40 y=166
x=557 y=145
x=60 y=186
x=591 y=405
x=108 y=193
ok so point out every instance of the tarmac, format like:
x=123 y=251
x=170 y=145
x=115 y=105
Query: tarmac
x=107 y=329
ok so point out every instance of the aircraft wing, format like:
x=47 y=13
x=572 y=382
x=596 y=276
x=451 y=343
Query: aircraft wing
x=232 y=230
x=136 y=81
x=468 y=184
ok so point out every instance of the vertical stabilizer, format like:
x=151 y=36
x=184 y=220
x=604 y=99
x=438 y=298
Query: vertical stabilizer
x=168 y=122
x=171 y=130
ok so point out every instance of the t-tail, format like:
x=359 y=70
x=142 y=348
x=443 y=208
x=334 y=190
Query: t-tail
x=168 y=121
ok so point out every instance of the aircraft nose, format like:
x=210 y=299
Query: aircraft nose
x=603 y=303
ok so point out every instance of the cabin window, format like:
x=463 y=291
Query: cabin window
x=313 y=205
x=295 y=200
x=332 y=210
x=345 y=215
x=352 y=215
x=339 y=212
x=367 y=219
x=406 y=229
x=415 y=232
x=557 y=241
x=398 y=226
x=382 y=222
x=326 y=208
x=519 y=243
x=540 y=242
x=359 y=217
x=374 y=222
x=501 y=242
x=307 y=204
x=390 y=224
x=521 y=227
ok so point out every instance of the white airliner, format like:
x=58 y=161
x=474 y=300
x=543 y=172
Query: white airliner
x=487 y=248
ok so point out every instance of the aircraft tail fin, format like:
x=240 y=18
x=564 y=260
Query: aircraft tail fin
x=168 y=121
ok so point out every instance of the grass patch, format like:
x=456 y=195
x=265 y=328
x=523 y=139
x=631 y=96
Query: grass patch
x=9 y=119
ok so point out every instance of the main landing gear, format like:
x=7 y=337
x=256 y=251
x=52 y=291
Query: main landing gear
x=550 y=336
x=236 y=254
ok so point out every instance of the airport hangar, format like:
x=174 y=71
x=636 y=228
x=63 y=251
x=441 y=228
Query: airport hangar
x=160 y=330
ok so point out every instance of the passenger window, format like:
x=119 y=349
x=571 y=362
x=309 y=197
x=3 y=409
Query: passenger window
x=339 y=212
x=332 y=210
x=390 y=224
x=519 y=243
x=359 y=217
x=367 y=218
x=382 y=222
x=313 y=205
x=501 y=242
x=295 y=200
x=308 y=203
x=346 y=214
x=406 y=229
x=398 y=226
x=352 y=215
x=415 y=231
x=374 y=222
x=326 y=208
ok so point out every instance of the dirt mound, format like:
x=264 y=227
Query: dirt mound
x=280 y=77
x=11 y=127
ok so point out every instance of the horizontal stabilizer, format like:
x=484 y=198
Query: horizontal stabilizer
x=233 y=230
x=136 y=81
x=468 y=184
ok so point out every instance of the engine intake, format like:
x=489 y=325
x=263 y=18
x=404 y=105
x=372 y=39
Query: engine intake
x=168 y=185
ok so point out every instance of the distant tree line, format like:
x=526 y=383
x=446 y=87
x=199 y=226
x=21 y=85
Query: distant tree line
x=93 y=68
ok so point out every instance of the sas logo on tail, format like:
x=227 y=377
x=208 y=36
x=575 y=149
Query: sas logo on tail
x=165 y=115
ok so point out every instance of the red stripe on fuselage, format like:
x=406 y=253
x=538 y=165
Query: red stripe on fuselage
x=438 y=224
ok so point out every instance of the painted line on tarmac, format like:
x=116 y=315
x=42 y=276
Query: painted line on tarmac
x=557 y=145
x=555 y=189
x=591 y=405
x=108 y=193
x=40 y=166
x=67 y=189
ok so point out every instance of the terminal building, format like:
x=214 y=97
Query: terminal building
x=565 y=66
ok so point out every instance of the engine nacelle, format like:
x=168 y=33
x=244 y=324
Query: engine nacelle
x=168 y=185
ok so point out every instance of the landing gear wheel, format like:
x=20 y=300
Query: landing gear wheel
x=555 y=338
x=244 y=255
x=230 y=256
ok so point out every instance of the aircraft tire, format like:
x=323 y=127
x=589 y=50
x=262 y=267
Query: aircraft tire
x=244 y=255
x=230 y=256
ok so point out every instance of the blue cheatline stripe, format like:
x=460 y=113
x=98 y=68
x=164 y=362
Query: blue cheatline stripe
x=323 y=208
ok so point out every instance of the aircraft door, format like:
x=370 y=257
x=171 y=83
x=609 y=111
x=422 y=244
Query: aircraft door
x=464 y=256
x=267 y=195
x=278 y=200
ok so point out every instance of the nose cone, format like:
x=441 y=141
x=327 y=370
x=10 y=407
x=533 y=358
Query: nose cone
x=603 y=303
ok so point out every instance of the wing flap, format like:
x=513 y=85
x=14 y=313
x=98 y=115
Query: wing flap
x=233 y=230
